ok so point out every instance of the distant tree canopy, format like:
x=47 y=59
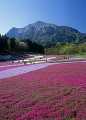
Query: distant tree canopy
x=13 y=45
x=66 y=48
x=3 y=43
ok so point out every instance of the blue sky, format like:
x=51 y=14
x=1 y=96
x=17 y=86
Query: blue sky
x=20 y=13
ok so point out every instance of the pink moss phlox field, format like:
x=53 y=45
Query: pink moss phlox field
x=8 y=63
x=59 y=57
x=8 y=67
x=55 y=56
x=56 y=92
x=22 y=69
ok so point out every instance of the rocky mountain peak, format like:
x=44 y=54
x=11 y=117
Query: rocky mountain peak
x=46 y=33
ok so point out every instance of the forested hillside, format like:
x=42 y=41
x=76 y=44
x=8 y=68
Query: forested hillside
x=66 y=48
x=12 y=45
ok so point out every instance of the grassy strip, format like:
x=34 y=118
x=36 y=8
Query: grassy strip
x=56 y=61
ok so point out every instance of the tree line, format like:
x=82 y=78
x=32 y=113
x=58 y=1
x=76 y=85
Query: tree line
x=12 y=45
x=66 y=48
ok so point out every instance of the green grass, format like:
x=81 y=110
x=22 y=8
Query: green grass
x=76 y=55
x=70 y=61
x=82 y=56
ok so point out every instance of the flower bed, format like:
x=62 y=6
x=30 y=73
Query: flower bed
x=54 y=92
x=14 y=71
x=9 y=65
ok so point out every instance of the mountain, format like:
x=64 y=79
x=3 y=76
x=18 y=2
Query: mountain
x=47 y=33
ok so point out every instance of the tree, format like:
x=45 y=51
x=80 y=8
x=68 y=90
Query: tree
x=82 y=47
x=68 y=49
x=12 y=44
x=3 y=43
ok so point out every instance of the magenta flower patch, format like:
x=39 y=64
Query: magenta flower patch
x=57 y=91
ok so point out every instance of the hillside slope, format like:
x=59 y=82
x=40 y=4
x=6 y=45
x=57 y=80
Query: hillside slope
x=47 y=33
